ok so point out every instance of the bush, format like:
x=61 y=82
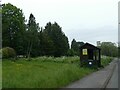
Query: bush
x=71 y=52
x=105 y=60
x=8 y=52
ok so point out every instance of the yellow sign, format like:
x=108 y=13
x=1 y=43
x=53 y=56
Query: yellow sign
x=84 y=51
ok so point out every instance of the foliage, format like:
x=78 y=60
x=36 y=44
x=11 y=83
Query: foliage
x=105 y=60
x=13 y=27
x=32 y=35
x=29 y=39
x=119 y=51
x=75 y=46
x=8 y=52
x=71 y=52
x=0 y=9
x=60 y=41
x=63 y=59
x=109 y=49
x=46 y=45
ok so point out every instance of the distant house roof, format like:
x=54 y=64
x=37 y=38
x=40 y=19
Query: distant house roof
x=89 y=46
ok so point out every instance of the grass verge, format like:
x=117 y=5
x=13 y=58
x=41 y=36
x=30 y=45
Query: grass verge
x=105 y=60
x=43 y=72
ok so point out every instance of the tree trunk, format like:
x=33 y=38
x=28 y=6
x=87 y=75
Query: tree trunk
x=29 y=50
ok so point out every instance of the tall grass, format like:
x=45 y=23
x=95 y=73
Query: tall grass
x=0 y=74
x=42 y=73
x=105 y=60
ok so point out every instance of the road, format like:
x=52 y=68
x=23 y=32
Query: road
x=113 y=82
x=104 y=78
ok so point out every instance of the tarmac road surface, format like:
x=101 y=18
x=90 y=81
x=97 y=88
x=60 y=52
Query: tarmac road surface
x=113 y=82
x=98 y=79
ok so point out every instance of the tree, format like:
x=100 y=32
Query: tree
x=109 y=49
x=32 y=36
x=119 y=51
x=71 y=52
x=13 y=27
x=46 y=45
x=28 y=39
x=0 y=27
x=75 y=46
x=60 y=41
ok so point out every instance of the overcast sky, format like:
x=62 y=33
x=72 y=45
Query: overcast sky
x=84 y=20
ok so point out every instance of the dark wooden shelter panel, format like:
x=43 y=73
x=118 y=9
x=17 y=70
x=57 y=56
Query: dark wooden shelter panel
x=90 y=55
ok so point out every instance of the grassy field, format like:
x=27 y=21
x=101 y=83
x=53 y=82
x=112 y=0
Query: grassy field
x=0 y=73
x=43 y=72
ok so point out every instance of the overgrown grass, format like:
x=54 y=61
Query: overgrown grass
x=105 y=60
x=58 y=59
x=42 y=72
x=0 y=74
